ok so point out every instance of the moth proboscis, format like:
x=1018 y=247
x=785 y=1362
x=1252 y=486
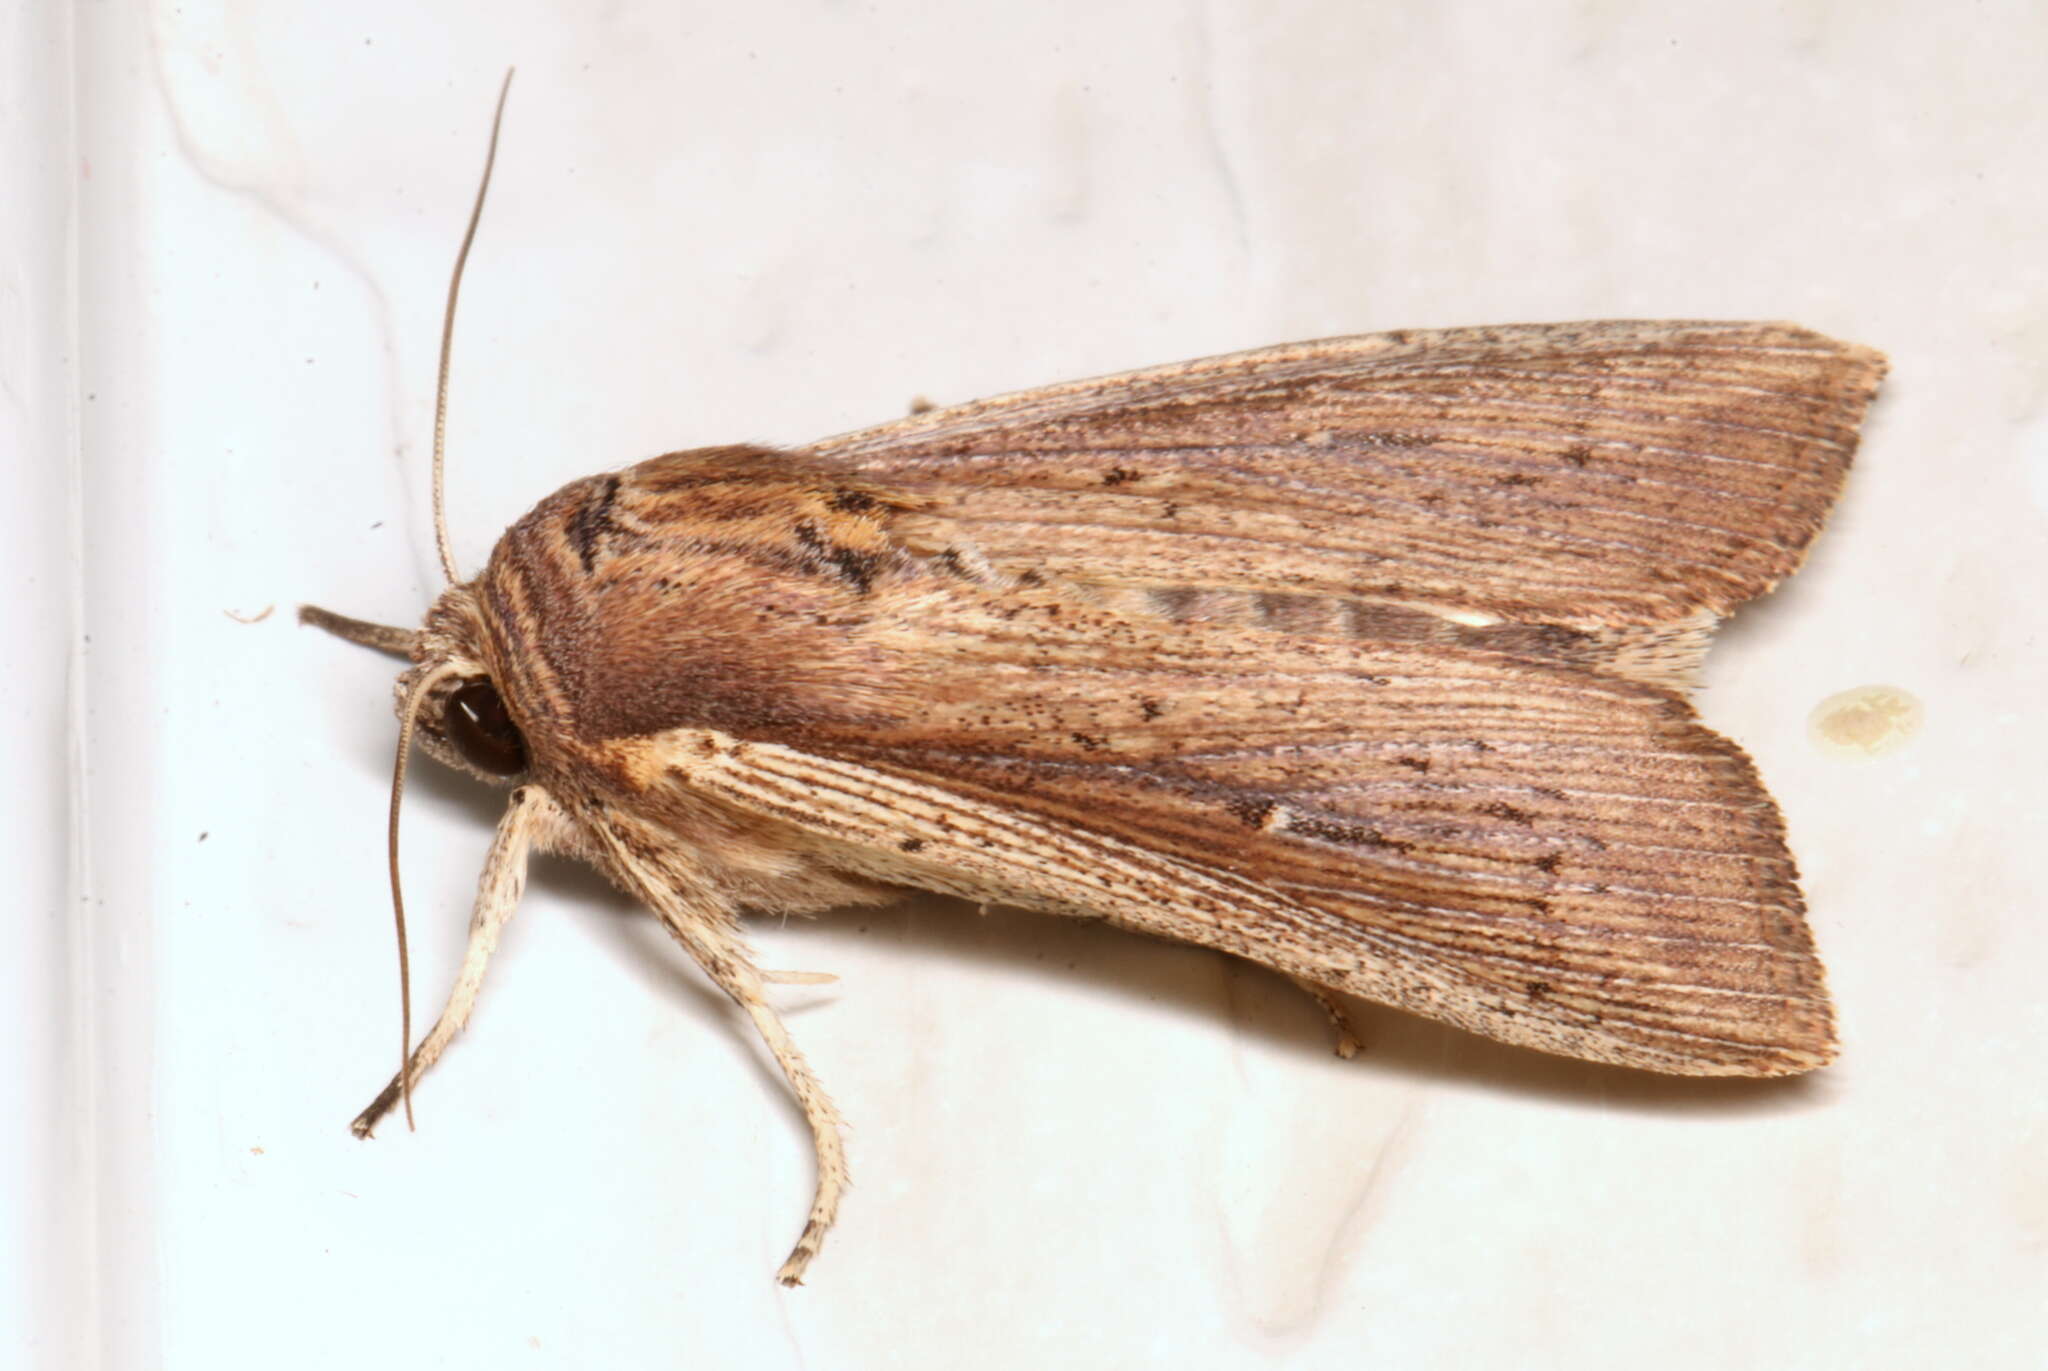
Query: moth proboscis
x=1364 y=659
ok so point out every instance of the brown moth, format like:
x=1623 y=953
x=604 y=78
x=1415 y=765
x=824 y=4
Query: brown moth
x=1364 y=659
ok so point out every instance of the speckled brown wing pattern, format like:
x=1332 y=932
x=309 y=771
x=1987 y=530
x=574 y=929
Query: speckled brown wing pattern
x=1361 y=659
x=1581 y=475
x=1319 y=655
x=1548 y=856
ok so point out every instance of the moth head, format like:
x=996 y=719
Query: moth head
x=463 y=722
x=457 y=699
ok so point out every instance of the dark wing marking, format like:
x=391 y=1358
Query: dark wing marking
x=1578 y=475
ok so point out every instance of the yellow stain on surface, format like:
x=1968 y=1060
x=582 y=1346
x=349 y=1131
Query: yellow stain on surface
x=1868 y=721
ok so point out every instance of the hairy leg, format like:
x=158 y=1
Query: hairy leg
x=529 y=820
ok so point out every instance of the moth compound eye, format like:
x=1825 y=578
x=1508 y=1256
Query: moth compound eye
x=478 y=724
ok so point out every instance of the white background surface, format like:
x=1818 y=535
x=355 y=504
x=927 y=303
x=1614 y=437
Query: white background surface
x=1071 y=1147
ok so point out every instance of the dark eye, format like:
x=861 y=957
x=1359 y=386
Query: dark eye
x=477 y=723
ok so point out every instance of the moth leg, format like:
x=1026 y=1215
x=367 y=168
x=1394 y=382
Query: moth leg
x=718 y=949
x=799 y=978
x=530 y=813
x=1348 y=1042
x=825 y=1140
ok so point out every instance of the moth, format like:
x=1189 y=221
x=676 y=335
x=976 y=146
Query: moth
x=1363 y=659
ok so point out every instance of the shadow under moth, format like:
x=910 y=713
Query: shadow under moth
x=1363 y=659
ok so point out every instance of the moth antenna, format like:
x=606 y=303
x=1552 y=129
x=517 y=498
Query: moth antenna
x=476 y=213
x=408 y=720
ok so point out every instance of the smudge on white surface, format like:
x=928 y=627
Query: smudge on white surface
x=1868 y=721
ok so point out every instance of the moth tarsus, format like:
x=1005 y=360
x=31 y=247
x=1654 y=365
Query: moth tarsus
x=1344 y=1038
x=364 y=1125
x=799 y=978
x=1364 y=659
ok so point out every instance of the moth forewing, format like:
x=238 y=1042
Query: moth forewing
x=1361 y=658
x=1597 y=493
x=1555 y=859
